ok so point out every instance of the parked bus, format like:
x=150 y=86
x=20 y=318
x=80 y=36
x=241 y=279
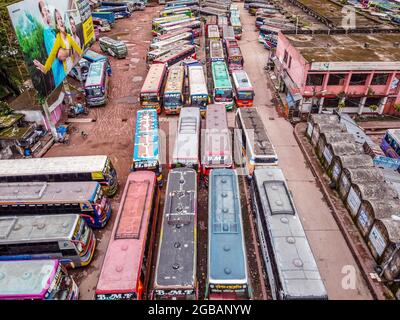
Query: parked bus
x=244 y=91
x=157 y=53
x=234 y=10
x=227 y=276
x=237 y=27
x=231 y=43
x=390 y=143
x=195 y=27
x=170 y=18
x=170 y=35
x=290 y=265
x=186 y=149
x=126 y=267
x=198 y=93
x=222 y=22
x=175 y=11
x=216 y=142
x=43 y=198
x=174 y=89
x=177 y=55
x=210 y=20
x=213 y=32
x=81 y=70
x=179 y=3
x=113 y=47
x=228 y=33
x=146 y=146
x=97 y=84
x=58 y=169
x=175 y=273
x=181 y=22
x=253 y=141
x=216 y=51
x=234 y=59
x=188 y=36
x=36 y=280
x=222 y=85
x=65 y=237
x=151 y=92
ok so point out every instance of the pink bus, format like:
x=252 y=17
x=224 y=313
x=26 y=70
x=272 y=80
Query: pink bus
x=36 y=280
x=126 y=268
x=234 y=59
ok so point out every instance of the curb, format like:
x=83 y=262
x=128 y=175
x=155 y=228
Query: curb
x=377 y=290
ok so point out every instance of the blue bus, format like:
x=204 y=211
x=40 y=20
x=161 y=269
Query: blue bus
x=146 y=148
x=228 y=276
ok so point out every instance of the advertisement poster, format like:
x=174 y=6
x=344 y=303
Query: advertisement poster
x=52 y=35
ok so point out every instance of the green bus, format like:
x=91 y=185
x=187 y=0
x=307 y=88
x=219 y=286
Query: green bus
x=222 y=86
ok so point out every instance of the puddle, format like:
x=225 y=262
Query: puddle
x=137 y=79
x=135 y=60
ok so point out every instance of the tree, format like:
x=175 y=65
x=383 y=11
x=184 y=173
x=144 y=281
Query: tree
x=13 y=71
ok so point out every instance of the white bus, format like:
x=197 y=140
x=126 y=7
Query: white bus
x=198 y=93
x=188 y=36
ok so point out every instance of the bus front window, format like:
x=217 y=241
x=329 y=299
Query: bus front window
x=223 y=95
x=82 y=239
x=61 y=287
x=94 y=91
x=246 y=95
x=199 y=100
x=173 y=99
x=149 y=97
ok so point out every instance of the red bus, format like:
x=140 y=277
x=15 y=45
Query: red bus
x=172 y=34
x=126 y=268
x=151 y=92
x=244 y=91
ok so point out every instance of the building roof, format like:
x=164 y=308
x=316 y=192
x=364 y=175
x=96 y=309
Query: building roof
x=339 y=48
x=392 y=225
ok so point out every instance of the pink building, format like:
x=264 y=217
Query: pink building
x=358 y=72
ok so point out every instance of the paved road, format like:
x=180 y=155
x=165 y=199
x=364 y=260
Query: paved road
x=326 y=240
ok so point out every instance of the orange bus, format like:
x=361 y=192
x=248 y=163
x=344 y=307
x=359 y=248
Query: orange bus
x=151 y=92
x=126 y=268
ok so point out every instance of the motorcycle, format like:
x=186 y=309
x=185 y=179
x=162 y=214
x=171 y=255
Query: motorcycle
x=76 y=110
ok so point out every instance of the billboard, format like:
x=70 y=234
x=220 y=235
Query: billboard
x=52 y=35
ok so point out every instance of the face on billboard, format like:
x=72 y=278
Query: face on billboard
x=52 y=35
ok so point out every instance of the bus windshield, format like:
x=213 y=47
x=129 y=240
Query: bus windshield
x=222 y=94
x=149 y=97
x=94 y=91
x=199 y=100
x=61 y=286
x=173 y=99
x=245 y=95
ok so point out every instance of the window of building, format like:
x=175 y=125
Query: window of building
x=358 y=79
x=315 y=79
x=372 y=101
x=290 y=62
x=285 y=57
x=352 y=102
x=336 y=79
x=380 y=79
x=330 y=103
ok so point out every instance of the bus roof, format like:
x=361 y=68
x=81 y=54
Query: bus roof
x=146 y=141
x=216 y=50
x=176 y=265
x=235 y=21
x=182 y=36
x=154 y=78
x=297 y=269
x=191 y=24
x=228 y=32
x=197 y=80
x=33 y=228
x=95 y=74
x=241 y=80
x=256 y=130
x=119 y=272
x=111 y=41
x=217 y=149
x=47 y=192
x=163 y=50
x=93 y=56
x=187 y=139
x=176 y=75
x=234 y=51
x=26 y=279
x=174 y=53
x=177 y=22
x=212 y=29
x=222 y=20
x=52 y=165
x=174 y=17
x=220 y=75
x=226 y=253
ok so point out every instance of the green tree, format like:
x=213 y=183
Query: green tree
x=13 y=71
